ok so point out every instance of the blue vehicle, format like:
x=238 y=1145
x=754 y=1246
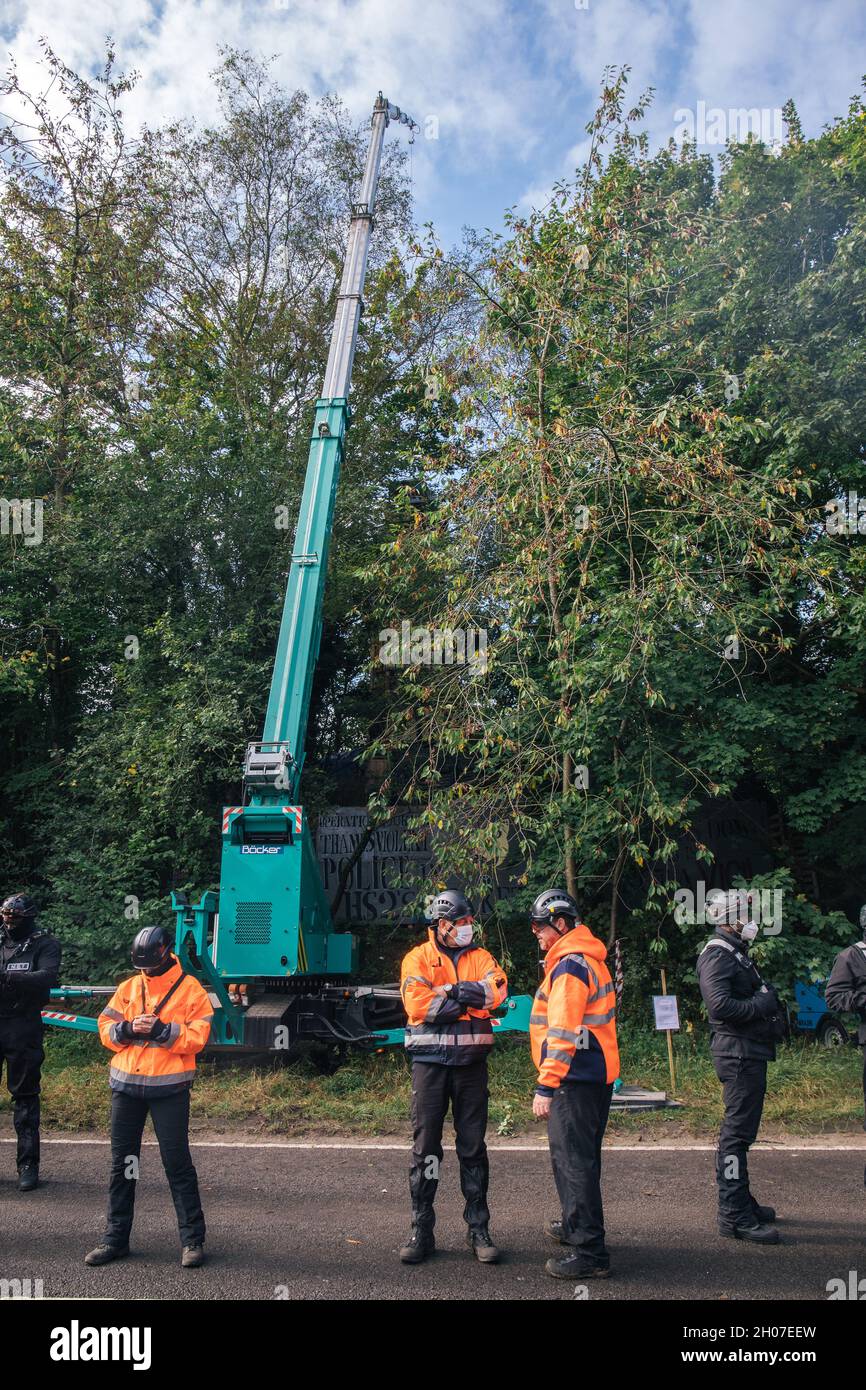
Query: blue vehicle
x=813 y=1016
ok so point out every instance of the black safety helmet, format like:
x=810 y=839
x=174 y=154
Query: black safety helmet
x=553 y=903
x=452 y=905
x=730 y=907
x=19 y=905
x=151 y=947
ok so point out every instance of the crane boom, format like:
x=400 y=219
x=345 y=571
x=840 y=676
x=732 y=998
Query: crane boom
x=301 y=627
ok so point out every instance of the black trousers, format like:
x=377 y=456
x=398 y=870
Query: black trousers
x=21 y=1050
x=744 y=1084
x=170 y=1115
x=434 y=1087
x=575 y=1129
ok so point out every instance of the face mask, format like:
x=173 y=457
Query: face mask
x=151 y=970
x=463 y=935
x=18 y=930
x=749 y=931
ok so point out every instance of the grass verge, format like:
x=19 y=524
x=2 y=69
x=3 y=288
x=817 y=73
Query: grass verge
x=811 y=1091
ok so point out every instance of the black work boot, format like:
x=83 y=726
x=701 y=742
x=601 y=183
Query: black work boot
x=553 y=1231
x=104 y=1254
x=28 y=1177
x=758 y=1232
x=579 y=1266
x=478 y=1239
x=420 y=1244
x=765 y=1216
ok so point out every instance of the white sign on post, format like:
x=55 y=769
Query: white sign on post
x=667 y=1012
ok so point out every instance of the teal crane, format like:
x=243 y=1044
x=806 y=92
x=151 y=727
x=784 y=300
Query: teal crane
x=265 y=946
x=271 y=926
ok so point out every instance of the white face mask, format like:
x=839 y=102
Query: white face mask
x=749 y=931
x=463 y=935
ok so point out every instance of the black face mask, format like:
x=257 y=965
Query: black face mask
x=17 y=931
x=152 y=970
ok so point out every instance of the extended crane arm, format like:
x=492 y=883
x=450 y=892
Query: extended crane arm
x=273 y=766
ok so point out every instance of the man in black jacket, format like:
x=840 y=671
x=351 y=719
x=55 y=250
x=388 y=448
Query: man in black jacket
x=846 y=990
x=742 y=1012
x=29 y=970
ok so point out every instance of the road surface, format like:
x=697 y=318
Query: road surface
x=324 y=1220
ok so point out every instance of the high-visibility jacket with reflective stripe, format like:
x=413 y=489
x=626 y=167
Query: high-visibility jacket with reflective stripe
x=151 y=1069
x=439 y=1030
x=572 y=1028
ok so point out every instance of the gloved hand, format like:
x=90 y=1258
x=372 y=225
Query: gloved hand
x=766 y=1002
x=470 y=993
x=159 y=1030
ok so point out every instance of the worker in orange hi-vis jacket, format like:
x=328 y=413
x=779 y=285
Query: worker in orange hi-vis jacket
x=572 y=1031
x=449 y=985
x=155 y=1024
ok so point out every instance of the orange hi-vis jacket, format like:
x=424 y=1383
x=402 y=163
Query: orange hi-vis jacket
x=572 y=1027
x=143 y=1067
x=440 y=1029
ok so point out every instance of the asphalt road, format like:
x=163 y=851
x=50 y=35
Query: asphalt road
x=326 y=1222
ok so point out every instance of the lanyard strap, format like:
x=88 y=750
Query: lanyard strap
x=157 y=1010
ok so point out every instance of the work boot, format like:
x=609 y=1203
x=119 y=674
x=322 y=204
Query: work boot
x=758 y=1232
x=478 y=1239
x=28 y=1177
x=104 y=1254
x=579 y=1266
x=553 y=1231
x=765 y=1216
x=192 y=1257
x=420 y=1244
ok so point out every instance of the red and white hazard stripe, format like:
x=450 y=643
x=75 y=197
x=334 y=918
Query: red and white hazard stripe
x=64 y=1018
x=298 y=813
x=228 y=812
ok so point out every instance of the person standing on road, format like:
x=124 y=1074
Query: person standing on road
x=155 y=1024
x=572 y=1033
x=745 y=1019
x=448 y=986
x=29 y=970
x=846 y=991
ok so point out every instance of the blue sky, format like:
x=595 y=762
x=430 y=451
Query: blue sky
x=511 y=86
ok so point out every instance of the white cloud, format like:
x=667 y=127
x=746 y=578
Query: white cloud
x=730 y=55
x=512 y=84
